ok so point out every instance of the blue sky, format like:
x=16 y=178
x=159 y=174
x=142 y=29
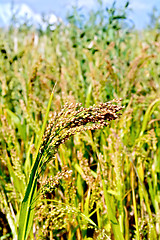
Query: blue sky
x=139 y=14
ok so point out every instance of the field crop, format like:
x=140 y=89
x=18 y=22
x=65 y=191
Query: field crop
x=80 y=130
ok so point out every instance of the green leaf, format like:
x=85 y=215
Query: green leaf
x=18 y=184
x=17 y=122
x=147 y=115
x=89 y=95
x=27 y=207
x=115 y=226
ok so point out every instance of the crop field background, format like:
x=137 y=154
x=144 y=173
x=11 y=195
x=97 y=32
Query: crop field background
x=80 y=178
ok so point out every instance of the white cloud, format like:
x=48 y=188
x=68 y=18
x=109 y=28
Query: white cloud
x=23 y=12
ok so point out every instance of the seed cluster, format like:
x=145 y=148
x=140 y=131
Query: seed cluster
x=74 y=118
x=71 y=119
x=53 y=182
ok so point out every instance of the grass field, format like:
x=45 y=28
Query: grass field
x=71 y=166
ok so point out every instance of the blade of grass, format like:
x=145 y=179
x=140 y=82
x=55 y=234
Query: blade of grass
x=89 y=95
x=148 y=113
x=5 y=236
x=19 y=185
x=115 y=226
x=27 y=165
x=17 y=122
x=10 y=219
x=152 y=231
x=27 y=209
x=86 y=205
x=134 y=204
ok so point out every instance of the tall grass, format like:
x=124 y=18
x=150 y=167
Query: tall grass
x=100 y=183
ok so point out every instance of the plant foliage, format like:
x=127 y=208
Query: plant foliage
x=66 y=170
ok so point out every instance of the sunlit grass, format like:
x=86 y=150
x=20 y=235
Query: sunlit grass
x=101 y=183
